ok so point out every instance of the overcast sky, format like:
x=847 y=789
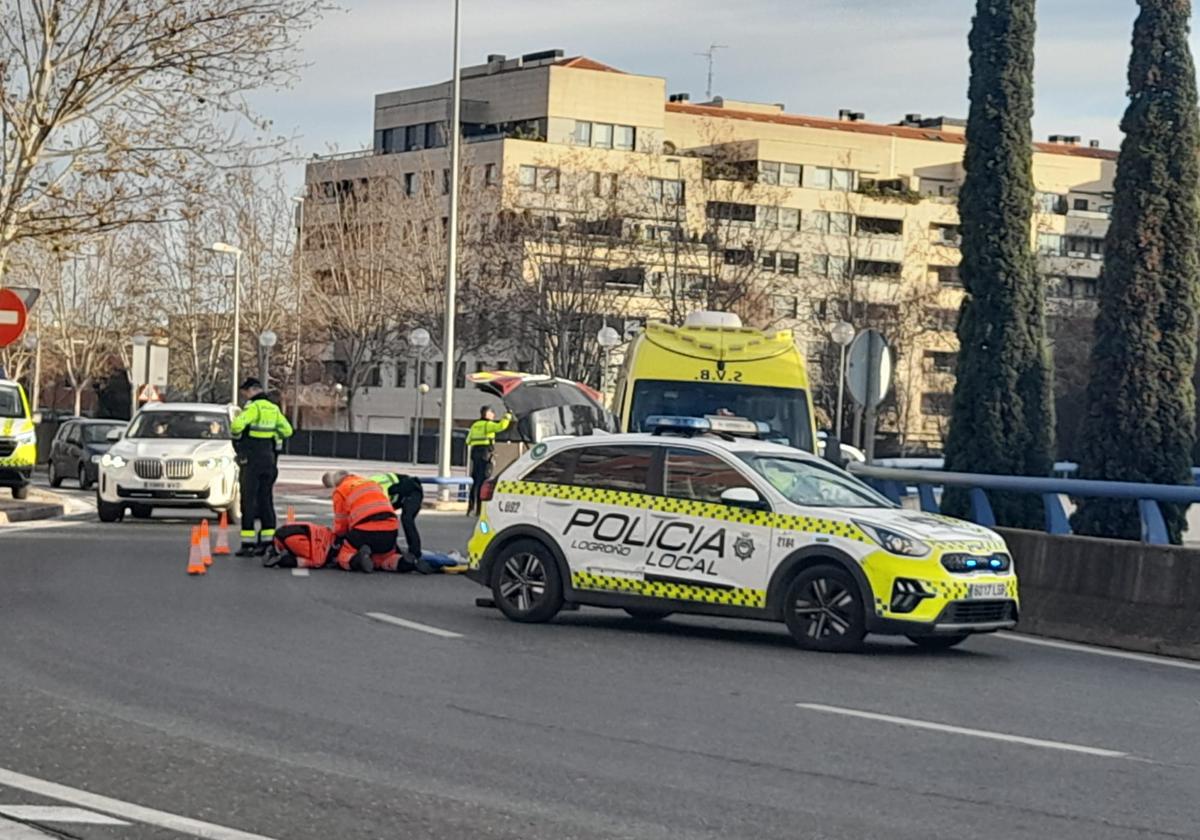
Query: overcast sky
x=883 y=57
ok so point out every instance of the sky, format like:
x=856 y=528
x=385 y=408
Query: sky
x=885 y=58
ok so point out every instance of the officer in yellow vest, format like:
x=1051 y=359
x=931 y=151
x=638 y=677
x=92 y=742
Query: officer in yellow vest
x=481 y=442
x=256 y=429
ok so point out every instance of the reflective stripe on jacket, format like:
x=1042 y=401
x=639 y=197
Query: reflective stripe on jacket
x=483 y=432
x=261 y=419
x=359 y=503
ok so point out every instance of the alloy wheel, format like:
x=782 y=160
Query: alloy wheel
x=824 y=607
x=523 y=581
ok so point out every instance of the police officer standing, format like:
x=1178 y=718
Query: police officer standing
x=256 y=430
x=481 y=444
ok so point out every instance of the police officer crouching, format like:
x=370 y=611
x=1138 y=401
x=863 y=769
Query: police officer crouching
x=255 y=431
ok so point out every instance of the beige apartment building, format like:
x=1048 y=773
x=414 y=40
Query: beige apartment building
x=615 y=196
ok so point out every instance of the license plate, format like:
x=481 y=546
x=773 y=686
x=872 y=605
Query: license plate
x=162 y=485
x=988 y=590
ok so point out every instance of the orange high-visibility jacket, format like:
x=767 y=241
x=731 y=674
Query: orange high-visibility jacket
x=359 y=503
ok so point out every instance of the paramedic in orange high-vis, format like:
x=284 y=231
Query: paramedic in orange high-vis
x=365 y=522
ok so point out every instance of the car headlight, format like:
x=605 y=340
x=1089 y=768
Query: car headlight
x=24 y=438
x=215 y=463
x=111 y=461
x=894 y=541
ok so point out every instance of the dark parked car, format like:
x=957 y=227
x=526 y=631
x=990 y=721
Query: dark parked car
x=78 y=442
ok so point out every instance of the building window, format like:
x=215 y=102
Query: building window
x=1051 y=203
x=768 y=172
x=445 y=182
x=817 y=177
x=543 y=178
x=878 y=269
x=435 y=138
x=937 y=404
x=943 y=319
x=841 y=224
x=943 y=234
x=414 y=138
x=738 y=256
x=730 y=211
x=839 y=267
x=583 y=133
x=789 y=262
x=874 y=226
x=489 y=174
x=817 y=221
x=789 y=218
x=401 y=374
x=670 y=191
x=374 y=378
x=604 y=184
x=460 y=375
x=767 y=260
x=412 y=184
x=439 y=370
x=602 y=135
x=1088 y=247
x=938 y=362
x=527 y=176
x=785 y=306
x=624 y=137
x=1050 y=244
x=820 y=265
x=1076 y=288
x=947 y=275
x=767 y=217
x=1081 y=204
x=842 y=179
x=789 y=175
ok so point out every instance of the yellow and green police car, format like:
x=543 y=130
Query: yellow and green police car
x=18 y=439
x=702 y=516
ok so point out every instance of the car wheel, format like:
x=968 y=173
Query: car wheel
x=55 y=478
x=21 y=492
x=141 y=511
x=824 y=610
x=642 y=614
x=109 y=511
x=939 y=642
x=85 y=483
x=526 y=583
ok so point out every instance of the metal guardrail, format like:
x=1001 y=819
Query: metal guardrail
x=461 y=485
x=894 y=483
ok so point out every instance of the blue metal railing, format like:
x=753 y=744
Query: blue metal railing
x=460 y=485
x=895 y=483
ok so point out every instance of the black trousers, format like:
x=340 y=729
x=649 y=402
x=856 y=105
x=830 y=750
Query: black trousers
x=481 y=471
x=410 y=506
x=258 y=476
x=380 y=542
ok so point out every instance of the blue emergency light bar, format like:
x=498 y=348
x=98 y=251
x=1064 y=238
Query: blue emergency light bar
x=738 y=426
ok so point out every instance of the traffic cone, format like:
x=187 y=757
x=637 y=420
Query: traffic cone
x=291 y=514
x=195 y=562
x=222 y=546
x=205 y=543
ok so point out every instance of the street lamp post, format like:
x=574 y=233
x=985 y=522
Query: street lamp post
x=266 y=340
x=338 y=387
x=448 y=380
x=843 y=334
x=607 y=338
x=223 y=248
x=299 y=199
x=33 y=342
x=419 y=340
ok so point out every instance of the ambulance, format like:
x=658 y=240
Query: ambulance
x=18 y=439
x=712 y=365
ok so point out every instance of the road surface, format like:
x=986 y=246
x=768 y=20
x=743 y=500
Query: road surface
x=255 y=703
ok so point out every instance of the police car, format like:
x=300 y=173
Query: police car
x=701 y=516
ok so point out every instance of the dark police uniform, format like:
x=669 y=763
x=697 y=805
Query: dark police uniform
x=256 y=430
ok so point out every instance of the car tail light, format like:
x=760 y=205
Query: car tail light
x=487 y=490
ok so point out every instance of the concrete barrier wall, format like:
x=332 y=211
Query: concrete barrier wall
x=1109 y=592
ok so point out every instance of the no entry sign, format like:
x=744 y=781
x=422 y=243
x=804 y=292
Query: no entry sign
x=12 y=317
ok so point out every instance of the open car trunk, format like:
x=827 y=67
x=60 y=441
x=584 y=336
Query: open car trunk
x=544 y=406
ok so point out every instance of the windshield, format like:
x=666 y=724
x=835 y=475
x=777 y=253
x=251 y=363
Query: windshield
x=186 y=425
x=10 y=402
x=784 y=410
x=98 y=432
x=815 y=483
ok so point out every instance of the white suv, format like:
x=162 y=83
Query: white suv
x=697 y=519
x=177 y=455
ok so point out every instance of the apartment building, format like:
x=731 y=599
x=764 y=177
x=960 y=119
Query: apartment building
x=617 y=200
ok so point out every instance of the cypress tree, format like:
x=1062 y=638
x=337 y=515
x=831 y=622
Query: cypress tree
x=1141 y=398
x=1002 y=420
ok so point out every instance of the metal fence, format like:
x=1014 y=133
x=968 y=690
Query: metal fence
x=372 y=446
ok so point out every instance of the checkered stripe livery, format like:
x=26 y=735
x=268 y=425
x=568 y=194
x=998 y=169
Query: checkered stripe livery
x=673 y=591
x=980 y=546
x=686 y=507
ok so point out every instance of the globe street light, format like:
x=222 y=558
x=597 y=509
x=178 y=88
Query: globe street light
x=843 y=334
x=224 y=248
x=419 y=339
x=266 y=340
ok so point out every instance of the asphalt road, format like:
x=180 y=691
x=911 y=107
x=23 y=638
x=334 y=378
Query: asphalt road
x=257 y=701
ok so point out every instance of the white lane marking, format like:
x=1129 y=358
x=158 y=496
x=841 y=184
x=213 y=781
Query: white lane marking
x=299 y=572
x=19 y=831
x=414 y=625
x=1099 y=651
x=962 y=730
x=57 y=814
x=39 y=525
x=128 y=810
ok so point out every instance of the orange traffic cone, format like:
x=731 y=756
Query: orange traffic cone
x=195 y=561
x=222 y=546
x=205 y=543
x=291 y=514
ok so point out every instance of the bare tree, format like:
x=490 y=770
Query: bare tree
x=105 y=107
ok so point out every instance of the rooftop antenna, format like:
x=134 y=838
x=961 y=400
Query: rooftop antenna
x=711 y=54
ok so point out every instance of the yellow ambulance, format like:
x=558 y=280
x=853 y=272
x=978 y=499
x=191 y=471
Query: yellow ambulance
x=712 y=365
x=18 y=439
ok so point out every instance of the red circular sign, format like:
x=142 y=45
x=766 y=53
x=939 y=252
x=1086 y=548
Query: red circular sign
x=12 y=317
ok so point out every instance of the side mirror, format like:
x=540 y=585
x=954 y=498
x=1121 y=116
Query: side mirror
x=113 y=435
x=743 y=497
x=37 y=418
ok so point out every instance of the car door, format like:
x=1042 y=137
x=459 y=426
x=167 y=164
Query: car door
x=719 y=552
x=600 y=520
x=60 y=450
x=73 y=450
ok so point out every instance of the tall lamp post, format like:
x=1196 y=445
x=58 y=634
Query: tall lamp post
x=843 y=334
x=266 y=340
x=419 y=339
x=33 y=342
x=607 y=338
x=448 y=380
x=299 y=279
x=338 y=387
x=143 y=376
x=223 y=248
